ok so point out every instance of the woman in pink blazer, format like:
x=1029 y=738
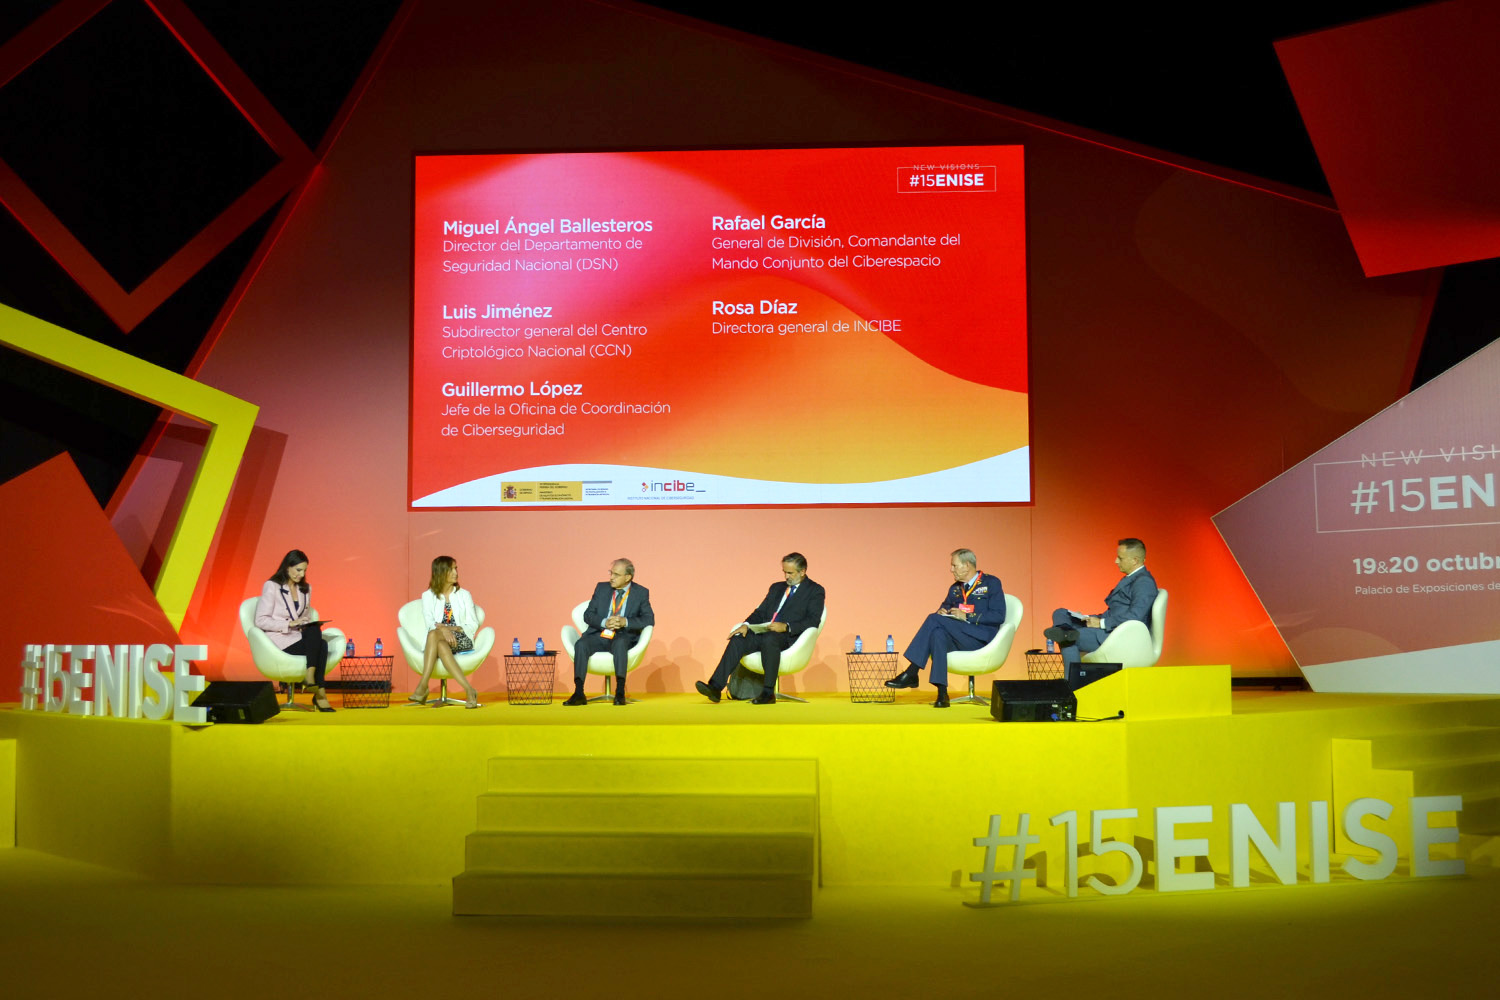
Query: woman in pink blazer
x=283 y=614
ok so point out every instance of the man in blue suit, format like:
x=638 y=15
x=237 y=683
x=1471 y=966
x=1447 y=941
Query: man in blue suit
x=1129 y=601
x=618 y=611
x=971 y=613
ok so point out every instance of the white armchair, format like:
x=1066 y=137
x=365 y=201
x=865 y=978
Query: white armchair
x=602 y=663
x=285 y=668
x=1132 y=644
x=794 y=658
x=989 y=657
x=412 y=632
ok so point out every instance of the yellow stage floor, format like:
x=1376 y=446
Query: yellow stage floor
x=389 y=796
x=827 y=708
x=74 y=930
x=912 y=707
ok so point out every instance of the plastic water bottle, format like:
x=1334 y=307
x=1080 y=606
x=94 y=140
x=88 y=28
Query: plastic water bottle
x=541 y=647
x=377 y=646
x=515 y=647
x=1051 y=646
x=890 y=644
x=859 y=645
x=349 y=648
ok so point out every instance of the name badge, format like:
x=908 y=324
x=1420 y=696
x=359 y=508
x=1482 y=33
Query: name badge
x=608 y=633
x=967 y=609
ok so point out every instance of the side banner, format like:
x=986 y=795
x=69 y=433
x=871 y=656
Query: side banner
x=1378 y=558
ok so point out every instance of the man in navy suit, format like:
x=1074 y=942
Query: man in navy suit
x=616 y=614
x=971 y=613
x=791 y=607
x=1129 y=601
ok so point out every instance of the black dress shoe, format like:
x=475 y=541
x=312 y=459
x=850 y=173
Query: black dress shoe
x=1061 y=634
x=764 y=698
x=707 y=691
x=579 y=698
x=620 y=695
x=905 y=679
x=942 y=698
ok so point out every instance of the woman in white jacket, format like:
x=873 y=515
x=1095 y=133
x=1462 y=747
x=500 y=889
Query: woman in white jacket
x=451 y=625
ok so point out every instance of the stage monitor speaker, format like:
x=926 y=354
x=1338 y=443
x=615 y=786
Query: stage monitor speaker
x=1084 y=674
x=238 y=702
x=1033 y=701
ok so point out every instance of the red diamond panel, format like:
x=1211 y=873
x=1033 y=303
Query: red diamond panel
x=128 y=308
x=1402 y=112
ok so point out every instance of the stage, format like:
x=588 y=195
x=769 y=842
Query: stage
x=297 y=817
x=336 y=941
x=392 y=941
x=389 y=796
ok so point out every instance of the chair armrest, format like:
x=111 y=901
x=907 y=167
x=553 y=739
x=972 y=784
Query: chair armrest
x=261 y=646
x=337 y=643
x=1130 y=644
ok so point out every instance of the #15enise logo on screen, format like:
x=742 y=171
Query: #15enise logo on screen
x=946 y=177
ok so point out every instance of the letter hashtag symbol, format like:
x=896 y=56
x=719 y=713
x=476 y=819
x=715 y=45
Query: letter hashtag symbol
x=1364 y=498
x=30 y=688
x=1017 y=871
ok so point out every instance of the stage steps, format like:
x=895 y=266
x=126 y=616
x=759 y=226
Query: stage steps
x=633 y=837
x=1458 y=760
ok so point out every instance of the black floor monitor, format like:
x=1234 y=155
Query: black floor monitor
x=1083 y=674
x=242 y=702
x=1033 y=701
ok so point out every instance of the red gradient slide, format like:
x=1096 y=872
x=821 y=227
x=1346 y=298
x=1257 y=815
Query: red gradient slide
x=720 y=327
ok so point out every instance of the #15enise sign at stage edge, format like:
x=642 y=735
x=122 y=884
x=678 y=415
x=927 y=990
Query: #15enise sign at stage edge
x=719 y=328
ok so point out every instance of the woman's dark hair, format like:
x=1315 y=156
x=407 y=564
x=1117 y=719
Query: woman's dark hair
x=289 y=560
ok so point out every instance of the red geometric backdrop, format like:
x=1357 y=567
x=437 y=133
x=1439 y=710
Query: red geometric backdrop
x=1192 y=335
x=74 y=581
x=1402 y=111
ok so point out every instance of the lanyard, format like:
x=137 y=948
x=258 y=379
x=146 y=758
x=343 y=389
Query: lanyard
x=970 y=588
x=619 y=600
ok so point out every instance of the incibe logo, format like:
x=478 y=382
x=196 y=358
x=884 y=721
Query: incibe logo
x=670 y=486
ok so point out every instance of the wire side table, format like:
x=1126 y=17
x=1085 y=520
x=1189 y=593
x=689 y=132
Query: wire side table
x=530 y=678
x=1043 y=666
x=365 y=681
x=868 y=673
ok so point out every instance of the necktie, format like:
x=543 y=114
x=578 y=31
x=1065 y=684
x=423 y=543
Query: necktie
x=614 y=609
x=790 y=591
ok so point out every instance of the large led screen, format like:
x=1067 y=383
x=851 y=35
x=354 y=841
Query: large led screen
x=719 y=328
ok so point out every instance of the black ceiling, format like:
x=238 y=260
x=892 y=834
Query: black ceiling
x=1198 y=79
